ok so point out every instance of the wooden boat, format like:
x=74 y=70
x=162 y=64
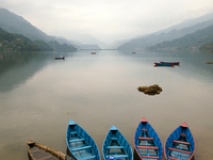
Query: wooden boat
x=163 y=64
x=80 y=144
x=180 y=144
x=115 y=146
x=147 y=143
x=38 y=151
x=60 y=58
x=174 y=63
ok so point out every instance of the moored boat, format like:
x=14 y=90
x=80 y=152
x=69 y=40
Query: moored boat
x=180 y=144
x=174 y=63
x=163 y=64
x=80 y=144
x=38 y=151
x=147 y=143
x=115 y=146
x=60 y=58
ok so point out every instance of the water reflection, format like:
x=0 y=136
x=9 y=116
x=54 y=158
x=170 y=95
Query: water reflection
x=17 y=67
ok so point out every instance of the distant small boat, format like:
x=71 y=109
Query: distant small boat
x=180 y=144
x=209 y=62
x=163 y=64
x=38 y=151
x=80 y=144
x=93 y=52
x=173 y=63
x=147 y=143
x=116 y=147
x=60 y=58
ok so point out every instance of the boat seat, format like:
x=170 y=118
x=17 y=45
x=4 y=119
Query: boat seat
x=90 y=157
x=172 y=158
x=182 y=135
x=73 y=132
x=119 y=156
x=81 y=148
x=112 y=147
x=113 y=138
x=148 y=147
x=76 y=140
x=179 y=150
x=145 y=138
x=145 y=130
x=150 y=157
x=181 y=142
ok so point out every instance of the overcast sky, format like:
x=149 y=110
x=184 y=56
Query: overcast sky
x=107 y=20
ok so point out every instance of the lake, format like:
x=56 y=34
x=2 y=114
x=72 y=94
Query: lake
x=39 y=95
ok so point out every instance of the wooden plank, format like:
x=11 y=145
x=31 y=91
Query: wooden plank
x=145 y=138
x=182 y=135
x=151 y=157
x=112 y=147
x=145 y=130
x=148 y=147
x=120 y=156
x=81 y=148
x=172 y=158
x=179 y=150
x=181 y=142
x=76 y=140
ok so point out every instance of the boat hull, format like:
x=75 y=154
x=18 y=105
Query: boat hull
x=116 y=147
x=172 y=63
x=38 y=151
x=180 y=144
x=163 y=65
x=147 y=143
x=80 y=144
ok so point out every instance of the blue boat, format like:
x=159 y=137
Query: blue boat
x=180 y=144
x=80 y=144
x=147 y=143
x=116 y=147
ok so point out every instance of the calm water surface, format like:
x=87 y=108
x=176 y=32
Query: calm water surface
x=39 y=95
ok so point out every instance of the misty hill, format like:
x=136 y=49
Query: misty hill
x=13 y=23
x=16 y=24
x=199 y=39
x=90 y=47
x=169 y=34
x=16 y=42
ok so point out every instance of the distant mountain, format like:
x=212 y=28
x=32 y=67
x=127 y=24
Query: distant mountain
x=199 y=39
x=171 y=33
x=13 y=23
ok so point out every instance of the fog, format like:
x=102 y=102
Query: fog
x=106 y=20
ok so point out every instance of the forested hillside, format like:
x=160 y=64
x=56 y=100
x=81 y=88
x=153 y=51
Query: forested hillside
x=15 y=42
x=198 y=40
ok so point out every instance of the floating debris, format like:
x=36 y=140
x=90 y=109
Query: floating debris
x=150 y=90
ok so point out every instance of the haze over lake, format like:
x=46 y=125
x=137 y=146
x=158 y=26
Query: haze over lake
x=39 y=95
